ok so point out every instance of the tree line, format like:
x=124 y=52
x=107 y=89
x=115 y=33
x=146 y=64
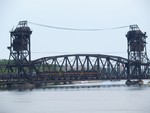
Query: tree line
x=3 y=61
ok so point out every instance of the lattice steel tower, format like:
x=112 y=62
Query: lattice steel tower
x=137 y=53
x=137 y=44
x=20 y=48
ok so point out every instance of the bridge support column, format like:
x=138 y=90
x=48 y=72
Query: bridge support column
x=67 y=82
x=134 y=82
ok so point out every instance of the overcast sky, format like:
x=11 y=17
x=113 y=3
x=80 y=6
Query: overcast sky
x=74 y=14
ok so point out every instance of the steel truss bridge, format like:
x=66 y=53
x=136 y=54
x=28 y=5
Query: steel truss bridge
x=76 y=67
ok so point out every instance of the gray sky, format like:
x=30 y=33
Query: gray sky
x=74 y=14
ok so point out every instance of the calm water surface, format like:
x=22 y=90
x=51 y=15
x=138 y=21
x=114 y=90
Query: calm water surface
x=77 y=100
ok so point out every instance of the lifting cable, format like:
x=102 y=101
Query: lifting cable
x=76 y=29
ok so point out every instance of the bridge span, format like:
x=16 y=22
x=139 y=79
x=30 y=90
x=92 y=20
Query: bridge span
x=76 y=67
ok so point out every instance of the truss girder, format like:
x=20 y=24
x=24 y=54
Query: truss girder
x=82 y=67
x=76 y=67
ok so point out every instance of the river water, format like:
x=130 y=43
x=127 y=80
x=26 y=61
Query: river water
x=112 y=99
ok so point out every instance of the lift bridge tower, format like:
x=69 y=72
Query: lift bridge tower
x=137 y=53
x=20 y=51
